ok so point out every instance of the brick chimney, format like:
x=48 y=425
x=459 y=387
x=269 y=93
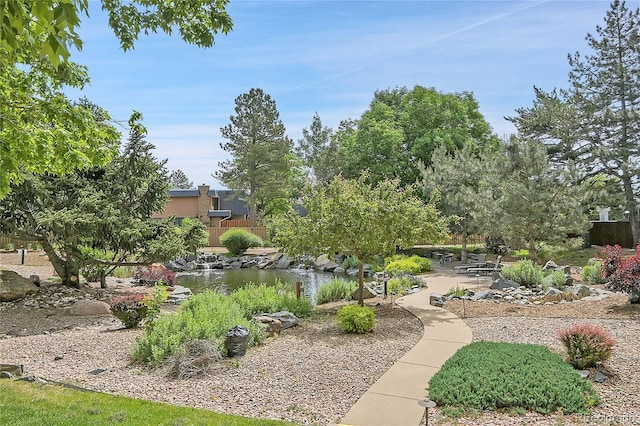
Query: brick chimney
x=204 y=203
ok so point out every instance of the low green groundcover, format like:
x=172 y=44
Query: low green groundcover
x=491 y=375
x=29 y=404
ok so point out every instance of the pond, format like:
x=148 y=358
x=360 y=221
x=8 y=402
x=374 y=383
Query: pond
x=227 y=280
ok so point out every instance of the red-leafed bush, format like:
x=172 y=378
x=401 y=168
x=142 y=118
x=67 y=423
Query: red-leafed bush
x=153 y=274
x=587 y=345
x=611 y=257
x=626 y=277
x=131 y=309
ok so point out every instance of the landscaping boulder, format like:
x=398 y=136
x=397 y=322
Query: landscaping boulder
x=484 y=295
x=87 y=307
x=15 y=287
x=552 y=291
x=286 y=318
x=321 y=261
x=179 y=294
x=437 y=300
x=271 y=325
x=502 y=283
x=367 y=293
x=580 y=291
x=330 y=266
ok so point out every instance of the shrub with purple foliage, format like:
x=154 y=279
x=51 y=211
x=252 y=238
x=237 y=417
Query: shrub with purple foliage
x=153 y=274
x=587 y=345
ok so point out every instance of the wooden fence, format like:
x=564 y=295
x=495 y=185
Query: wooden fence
x=15 y=242
x=611 y=233
x=215 y=232
x=237 y=223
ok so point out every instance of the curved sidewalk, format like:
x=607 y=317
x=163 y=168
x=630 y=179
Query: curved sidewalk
x=393 y=399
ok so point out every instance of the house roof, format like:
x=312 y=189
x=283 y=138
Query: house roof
x=174 y=193
x=229 y=201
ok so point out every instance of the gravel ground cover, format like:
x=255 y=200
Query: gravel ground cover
x=311 y=374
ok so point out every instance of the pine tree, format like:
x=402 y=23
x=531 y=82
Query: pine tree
x=262 y=153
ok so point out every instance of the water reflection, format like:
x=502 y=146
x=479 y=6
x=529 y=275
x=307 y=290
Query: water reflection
x=228 y=280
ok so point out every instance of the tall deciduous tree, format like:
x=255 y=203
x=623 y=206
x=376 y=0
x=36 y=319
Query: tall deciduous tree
x=596 y=121
x=357 y=218
x=262 y=153
x=403 y=127
x=530 y=201
x=41 y=131
x=179 y=180
x=106 y=210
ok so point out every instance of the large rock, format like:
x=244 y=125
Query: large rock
x=330 y=267
x=321 y=261
x=271 y=325
x=286 y=318
x=580 y=291
x=484 y=295
x=284 y=262
x=367 y=293
x=88 y=307
x=436 y=299
x=15 y=287
x=179 y=294
x=502 y=283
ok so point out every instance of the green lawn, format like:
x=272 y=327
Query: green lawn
x=23 y=404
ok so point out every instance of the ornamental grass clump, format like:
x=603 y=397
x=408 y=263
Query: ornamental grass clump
x=587 y=345
x=335 y=290
x=495 y=375
x=525 y=273
x=356 y=319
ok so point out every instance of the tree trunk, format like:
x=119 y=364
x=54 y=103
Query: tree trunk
x=631 y=207
x=463 y=234
x=67 y=270
x=533 y=252
x=361 y=282
x=103 y=278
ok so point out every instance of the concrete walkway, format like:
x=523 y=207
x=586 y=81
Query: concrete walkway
x=393 y=399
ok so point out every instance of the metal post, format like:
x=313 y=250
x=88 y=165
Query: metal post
x=385 y=289
x=426 y=403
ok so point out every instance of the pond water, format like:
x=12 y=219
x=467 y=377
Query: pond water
x=227 y=280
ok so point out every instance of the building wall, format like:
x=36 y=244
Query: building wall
x=179 y=207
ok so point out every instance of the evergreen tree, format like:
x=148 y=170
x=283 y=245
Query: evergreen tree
x=314 y=149
x=596 y=122
x=262 y=153
x=179 y=180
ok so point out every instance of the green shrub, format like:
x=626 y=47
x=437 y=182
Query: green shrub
x=208 y=315
x=256 y=299
x=400 y=285
x=9 y=247
x=456 y=291
x=356 y=319
x=554 y=279
x=351 y=262
x=522 y=253
x=408 y=265
x=591 y=273
x=130 y=309
x=587 y=345
x=237 y=241
x=525 y=273
x=492 y=375
x=335 y=290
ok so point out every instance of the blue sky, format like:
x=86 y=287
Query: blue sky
x=329 y=57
